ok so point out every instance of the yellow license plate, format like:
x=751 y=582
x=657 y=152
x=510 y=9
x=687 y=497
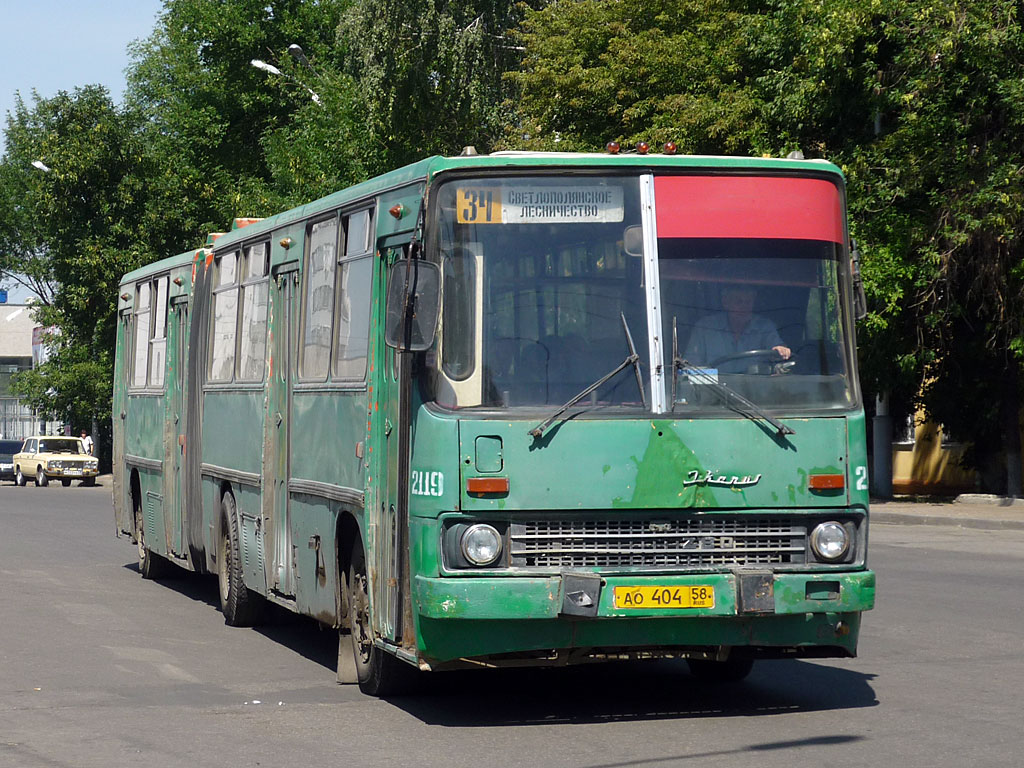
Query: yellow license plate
x=698 y=596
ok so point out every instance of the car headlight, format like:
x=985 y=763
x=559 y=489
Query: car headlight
x=830 y=541
x=481 y=544
x=56 y=464
x=92 y=464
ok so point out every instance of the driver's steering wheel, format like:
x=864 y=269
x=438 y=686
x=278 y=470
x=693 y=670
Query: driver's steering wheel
x=778 y=363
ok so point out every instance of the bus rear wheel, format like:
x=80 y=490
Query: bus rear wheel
x=241 y=606
x=379 y=673
x=151 y=565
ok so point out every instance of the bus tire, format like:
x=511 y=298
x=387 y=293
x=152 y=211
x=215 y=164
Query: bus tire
x=241 y=606
x=41 y=479
x=151 y=565
x=732 y=670
x=379 y=673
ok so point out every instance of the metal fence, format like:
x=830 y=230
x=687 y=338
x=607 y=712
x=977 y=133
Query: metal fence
x=17 y=421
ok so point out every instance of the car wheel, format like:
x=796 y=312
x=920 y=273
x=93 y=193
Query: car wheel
x=41 y=479
x=89 y=482
x=65 y=481
x=19 y=479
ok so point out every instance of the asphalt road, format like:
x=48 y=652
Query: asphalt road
x=101 y=668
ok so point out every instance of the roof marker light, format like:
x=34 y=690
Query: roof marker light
x=612 y=147
x=642 y=147
x=669 y=148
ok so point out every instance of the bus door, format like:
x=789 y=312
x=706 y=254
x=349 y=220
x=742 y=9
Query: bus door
x=178 y=336
x=122 y=506
x=276 y=457
x=392 y=551
x=389 y=549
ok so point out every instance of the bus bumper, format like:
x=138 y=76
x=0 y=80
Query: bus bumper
x=796 y=614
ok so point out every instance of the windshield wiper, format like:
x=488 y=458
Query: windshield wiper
x=632 y=359
x=724 y=391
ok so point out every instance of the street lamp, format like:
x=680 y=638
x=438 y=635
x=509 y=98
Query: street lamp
x=271 y=69
x=41 y=166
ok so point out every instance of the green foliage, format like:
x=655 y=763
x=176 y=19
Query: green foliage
x=72 y=231
x=599 y=70
x=430 y=74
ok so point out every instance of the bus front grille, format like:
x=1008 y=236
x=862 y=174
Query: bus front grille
x=719 y=541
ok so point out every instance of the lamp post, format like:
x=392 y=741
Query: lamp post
x=41 y=166
x=271 y=69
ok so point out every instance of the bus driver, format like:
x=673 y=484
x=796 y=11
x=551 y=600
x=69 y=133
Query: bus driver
x=721 y=338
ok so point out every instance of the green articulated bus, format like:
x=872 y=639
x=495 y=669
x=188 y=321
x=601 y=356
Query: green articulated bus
x=514 y=409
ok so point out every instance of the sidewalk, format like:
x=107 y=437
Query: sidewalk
x=969 y=510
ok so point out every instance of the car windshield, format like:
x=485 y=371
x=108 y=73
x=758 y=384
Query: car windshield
x=60 y=445
x=537 y=284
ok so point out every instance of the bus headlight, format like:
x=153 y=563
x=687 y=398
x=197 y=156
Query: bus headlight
x=830 y=541
x=481 y=544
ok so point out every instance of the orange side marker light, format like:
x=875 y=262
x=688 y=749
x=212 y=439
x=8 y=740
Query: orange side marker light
x=826 y=482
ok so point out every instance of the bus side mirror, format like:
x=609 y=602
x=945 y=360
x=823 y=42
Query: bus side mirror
x=860 y=301
x=425 y=292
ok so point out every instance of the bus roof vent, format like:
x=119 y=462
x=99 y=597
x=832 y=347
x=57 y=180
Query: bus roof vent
x=796 y=154
x=245 y=221
x=468 y=151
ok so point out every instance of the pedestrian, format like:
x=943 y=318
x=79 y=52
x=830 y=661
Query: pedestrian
x=87 y=442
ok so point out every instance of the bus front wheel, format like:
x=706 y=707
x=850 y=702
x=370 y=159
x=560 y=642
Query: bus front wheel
x=379 y=673
x=241 y=606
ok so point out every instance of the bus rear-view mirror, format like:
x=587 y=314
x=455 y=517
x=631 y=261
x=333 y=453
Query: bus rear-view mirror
x=414 y=332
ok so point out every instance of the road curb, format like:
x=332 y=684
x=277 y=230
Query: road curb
x=981 y=523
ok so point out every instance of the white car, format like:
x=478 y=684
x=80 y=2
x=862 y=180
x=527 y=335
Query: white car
x=61 y=458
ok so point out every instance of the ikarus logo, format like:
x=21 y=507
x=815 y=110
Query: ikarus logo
x=695 y=477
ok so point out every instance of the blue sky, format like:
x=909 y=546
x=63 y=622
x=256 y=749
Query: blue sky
x=56 y=45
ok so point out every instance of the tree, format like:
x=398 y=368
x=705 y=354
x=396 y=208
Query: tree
x=72 y=228
x=431 y=74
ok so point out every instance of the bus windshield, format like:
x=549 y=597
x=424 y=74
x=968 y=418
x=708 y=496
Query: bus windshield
x=536 y=283
x=542 y=276
x=762 y=317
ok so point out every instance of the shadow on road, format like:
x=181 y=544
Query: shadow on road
x=625 y=691
x=301 y=634
x=617 y=691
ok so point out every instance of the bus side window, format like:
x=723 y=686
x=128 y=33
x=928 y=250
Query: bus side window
x=355 y=274
x=318 y=301
x=141 y=336
x=225 y=310
x=252 y=347
x=158 y=344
